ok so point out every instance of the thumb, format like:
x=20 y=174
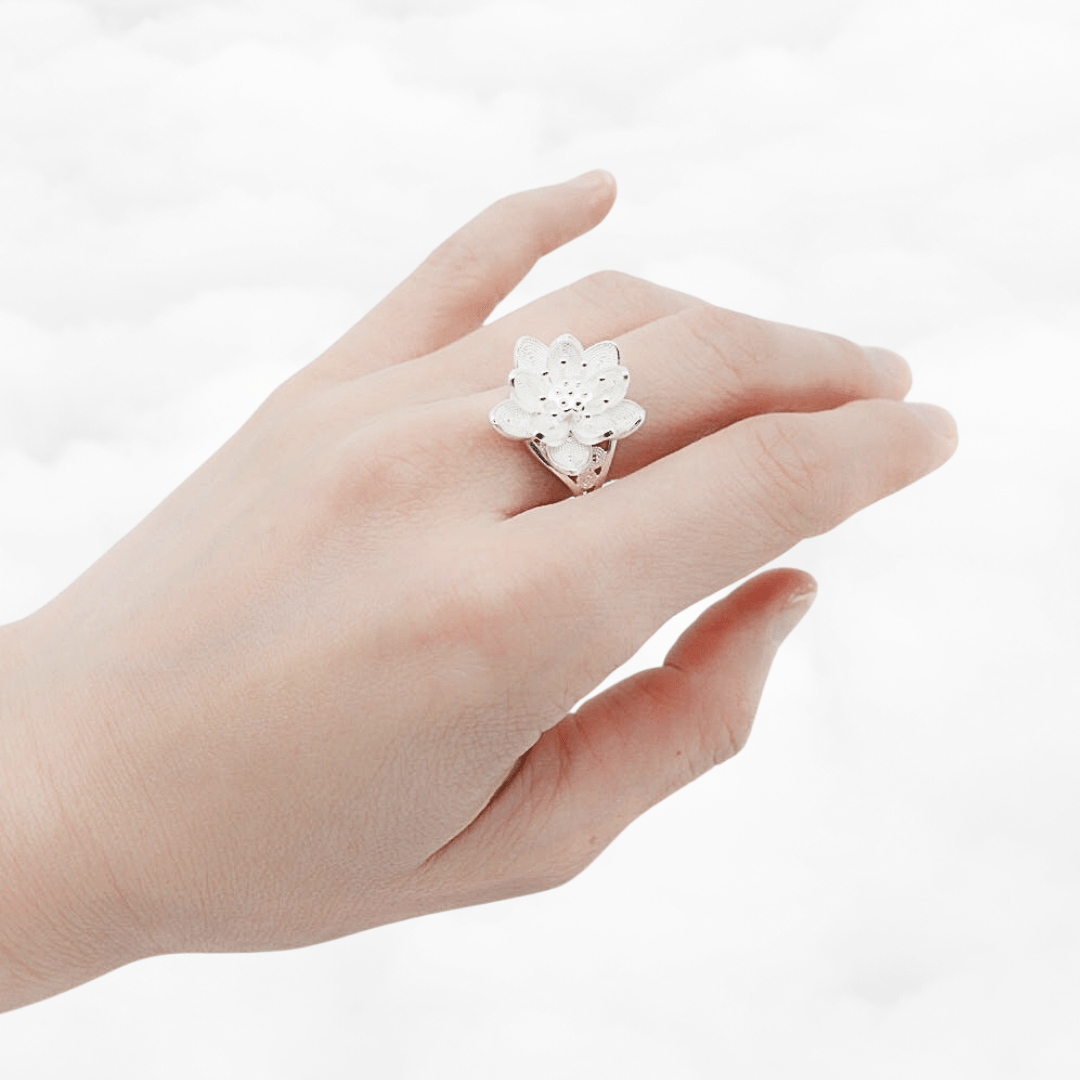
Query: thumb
x=634 y=744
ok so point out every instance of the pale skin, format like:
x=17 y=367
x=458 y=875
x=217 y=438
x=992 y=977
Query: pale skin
x=325 y=685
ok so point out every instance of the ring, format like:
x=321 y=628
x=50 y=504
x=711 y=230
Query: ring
x=569 y=404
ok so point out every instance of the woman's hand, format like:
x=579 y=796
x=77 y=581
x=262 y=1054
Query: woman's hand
x=325 y=684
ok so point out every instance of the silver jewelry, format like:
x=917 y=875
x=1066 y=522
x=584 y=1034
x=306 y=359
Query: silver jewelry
x=569 y=404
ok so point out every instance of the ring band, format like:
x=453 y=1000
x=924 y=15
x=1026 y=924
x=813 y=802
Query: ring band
x=569 y=405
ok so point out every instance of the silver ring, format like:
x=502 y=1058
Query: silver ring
x=569 y=405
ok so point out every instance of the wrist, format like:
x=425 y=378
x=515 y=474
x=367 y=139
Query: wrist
x=61 y=917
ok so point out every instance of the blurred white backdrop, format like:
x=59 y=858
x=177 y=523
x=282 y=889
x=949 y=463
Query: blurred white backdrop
x=196 y=198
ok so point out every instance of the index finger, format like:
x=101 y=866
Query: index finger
x=458 y=285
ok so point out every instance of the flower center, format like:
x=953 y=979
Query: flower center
x=569 y=395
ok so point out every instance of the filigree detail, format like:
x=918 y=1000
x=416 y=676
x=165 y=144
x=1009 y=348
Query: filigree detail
x=570 y=404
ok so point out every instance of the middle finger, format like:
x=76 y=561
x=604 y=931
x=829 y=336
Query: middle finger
x=696 y=372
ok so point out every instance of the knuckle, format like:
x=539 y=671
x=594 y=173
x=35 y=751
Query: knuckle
x=733 y=337
x=715 y=328
x=462 y=261
x=609 y=282
x=715 y=736
x=796 y=488
x=470 y=256
x=616 y=294
x=560 y=871
x=512 y=596
x=734 y=731
x=382 y=464
x=561 y=865
x=848 y=352
x=378 y=467
x=542 y=872
x=490 y=612
x=717 y=339
x=567 y=852
x=850 y=365
x=478 y=610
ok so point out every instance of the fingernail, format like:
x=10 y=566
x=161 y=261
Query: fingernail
x=796 y=607
x=594 y=178
x=936 y=419
x=891 y=366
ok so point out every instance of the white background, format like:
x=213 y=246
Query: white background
x=196 y=198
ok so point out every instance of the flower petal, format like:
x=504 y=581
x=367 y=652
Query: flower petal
x=608 y=388
x=566 y=357
x=601 y=356
x=550 y=430
x=529 y=390
x=616 y=423
x=530 y=354
x=571 y=457
x=511 y=420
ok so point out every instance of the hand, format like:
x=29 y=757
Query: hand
x=325 y=684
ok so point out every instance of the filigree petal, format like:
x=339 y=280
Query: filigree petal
x=529 y=389
x=571 y=456
x=601 y=356
x=530 y=354
x=566 y=357
x=551 y=430
x=616 y=423
x=510 y=419
x=608 y=388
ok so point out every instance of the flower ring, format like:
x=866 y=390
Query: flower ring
x=570 y=404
